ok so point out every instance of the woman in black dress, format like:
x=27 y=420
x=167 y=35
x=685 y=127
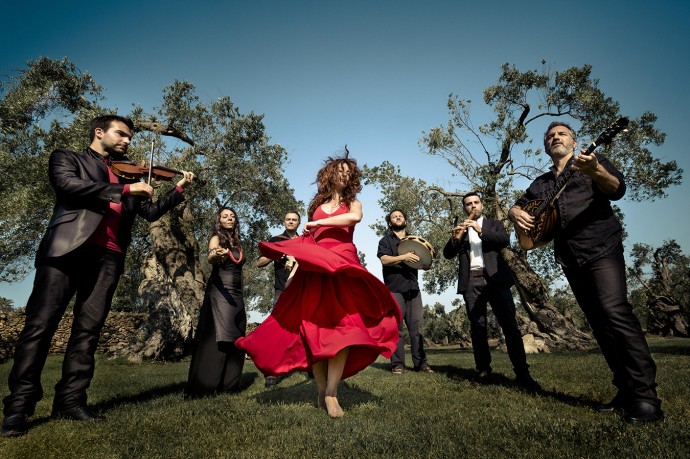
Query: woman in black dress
x=216 y=363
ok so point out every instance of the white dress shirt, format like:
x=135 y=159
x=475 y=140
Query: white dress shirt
x=476 y=256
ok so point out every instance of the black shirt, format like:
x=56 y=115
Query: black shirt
x=586 y=227
x=398 y=278
x=281 y=274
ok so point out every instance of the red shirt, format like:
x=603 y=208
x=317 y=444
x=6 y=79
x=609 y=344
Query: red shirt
x=107 y=231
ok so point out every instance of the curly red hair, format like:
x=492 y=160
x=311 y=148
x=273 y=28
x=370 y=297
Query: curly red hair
x=326 y=180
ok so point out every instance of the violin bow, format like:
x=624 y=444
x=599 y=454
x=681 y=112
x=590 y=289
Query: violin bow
x=151 y=162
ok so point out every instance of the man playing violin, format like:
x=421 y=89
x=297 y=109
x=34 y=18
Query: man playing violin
x=484 y=277
x=82 y=253
x=401 y=280
x=589 y=248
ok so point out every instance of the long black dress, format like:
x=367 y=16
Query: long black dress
x=217 y=364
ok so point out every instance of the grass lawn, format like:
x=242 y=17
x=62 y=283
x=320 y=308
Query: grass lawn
x=447 y=414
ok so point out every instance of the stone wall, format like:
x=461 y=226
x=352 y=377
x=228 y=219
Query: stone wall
x=118 y=329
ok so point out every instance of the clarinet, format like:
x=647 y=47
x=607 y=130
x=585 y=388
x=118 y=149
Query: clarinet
x=471 y=217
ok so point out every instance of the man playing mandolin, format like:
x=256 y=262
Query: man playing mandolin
x=82 y=253
x=401 y=280
x=588 y=246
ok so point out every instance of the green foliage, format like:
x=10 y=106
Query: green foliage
x=6 y=304
x=429 y=216
x=444 y=415
x=490 y=157
x=660 y=286
x=50 y=104
x=521 y=98
x=47 y=87
x=231 y=152
x=445 y=328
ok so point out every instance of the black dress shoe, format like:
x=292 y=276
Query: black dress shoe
x=15 y=425
x=617 y=404
x=270 y=381
x=638 y=412
x=78 y=413
x=527 y=384
x=425 y=369
x=484 y=375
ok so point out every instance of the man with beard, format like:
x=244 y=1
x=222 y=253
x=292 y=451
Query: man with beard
x=282 y=268
x=401 y=280
x=589 y=248
x=484 y=277
x=82 y=252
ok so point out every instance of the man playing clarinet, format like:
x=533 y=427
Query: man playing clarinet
x=484 y=277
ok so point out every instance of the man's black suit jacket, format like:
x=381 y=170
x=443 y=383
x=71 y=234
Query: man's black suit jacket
x=494 y=237
x=83 y=193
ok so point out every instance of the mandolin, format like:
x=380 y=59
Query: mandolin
x=544 y=210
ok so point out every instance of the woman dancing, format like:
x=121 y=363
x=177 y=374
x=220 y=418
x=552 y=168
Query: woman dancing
x=335 y=318
x=216 y=364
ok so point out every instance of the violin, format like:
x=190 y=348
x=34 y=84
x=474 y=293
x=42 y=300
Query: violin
x=135 y=170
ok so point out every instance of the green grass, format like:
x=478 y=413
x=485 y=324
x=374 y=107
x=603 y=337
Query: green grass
x=446 y=414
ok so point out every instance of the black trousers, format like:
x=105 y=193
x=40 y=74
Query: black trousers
x=215 y=366
x=410 y=304
x=478 y=294
x=92 y=273
x=601 y=291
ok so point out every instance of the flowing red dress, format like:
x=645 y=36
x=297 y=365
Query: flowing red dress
x=332 y=303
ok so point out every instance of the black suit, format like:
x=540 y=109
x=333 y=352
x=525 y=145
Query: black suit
x=66 y=264
x=588 y=246
x=491 y=285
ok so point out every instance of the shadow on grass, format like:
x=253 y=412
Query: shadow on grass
x=305 y=392
x=496 y=379
x=246 y=380
x=153 y=393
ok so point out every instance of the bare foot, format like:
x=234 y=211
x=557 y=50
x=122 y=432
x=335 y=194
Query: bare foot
x=321 y=402
x=333 y=407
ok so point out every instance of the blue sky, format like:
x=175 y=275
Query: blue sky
x=370 y=74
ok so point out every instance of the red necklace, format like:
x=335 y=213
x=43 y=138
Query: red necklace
x=233 y=258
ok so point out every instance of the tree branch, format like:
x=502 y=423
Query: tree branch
x=546 y=114
x=163 y=129
x=444 y=192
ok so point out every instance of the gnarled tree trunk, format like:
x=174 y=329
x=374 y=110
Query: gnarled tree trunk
x=173 y=289
x=666 y=317
x=557 y=330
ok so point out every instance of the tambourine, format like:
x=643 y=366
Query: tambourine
x=420 y=247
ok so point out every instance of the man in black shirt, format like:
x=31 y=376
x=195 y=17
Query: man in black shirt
x=282 y=268
x=589 y=248
x=401 y=280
